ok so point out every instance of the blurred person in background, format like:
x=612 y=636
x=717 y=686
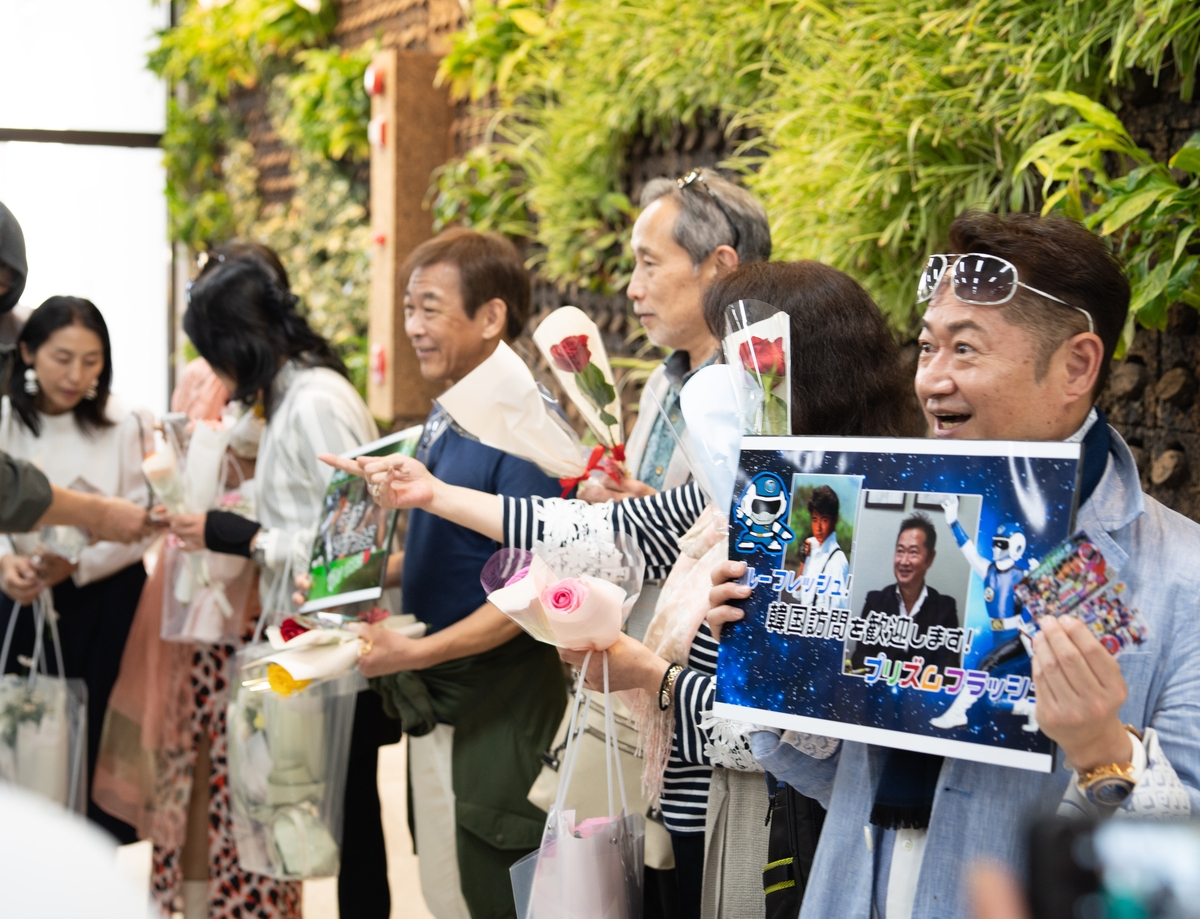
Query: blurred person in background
x=13 y=271
x=242 y=317
x=59 y=415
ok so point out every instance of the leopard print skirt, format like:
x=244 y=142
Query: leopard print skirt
x=232 y=892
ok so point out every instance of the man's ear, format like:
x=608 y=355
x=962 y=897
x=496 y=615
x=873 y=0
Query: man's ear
x=1084 y=358
x=724 y=261
x=494 y=318
x=932 y=556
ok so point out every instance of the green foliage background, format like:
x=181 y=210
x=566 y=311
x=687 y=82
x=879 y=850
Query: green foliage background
x=878 y=120
x=317 y=104
x=873 y=124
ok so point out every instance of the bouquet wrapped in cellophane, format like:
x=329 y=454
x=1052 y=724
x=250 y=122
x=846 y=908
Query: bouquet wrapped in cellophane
x=574 y=348
x=289 y=748
x=758 y=342
x=195 y=604
x=576 y=596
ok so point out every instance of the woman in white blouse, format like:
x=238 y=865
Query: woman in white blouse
x=59 y=415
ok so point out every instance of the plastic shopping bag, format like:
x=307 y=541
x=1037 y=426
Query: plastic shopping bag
x=194 y=611
x=587 y=870
x=288 y=755
x=43 y=720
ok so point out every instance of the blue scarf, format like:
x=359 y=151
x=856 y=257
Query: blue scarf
x=904 y=799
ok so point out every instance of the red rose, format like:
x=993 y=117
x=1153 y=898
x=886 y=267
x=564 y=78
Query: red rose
x=290 y=628
x=767 y=357
x=571 y=355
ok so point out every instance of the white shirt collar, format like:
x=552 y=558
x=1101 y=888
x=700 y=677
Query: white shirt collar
x=911 y=614
x=1092 y=417
x=827 y=547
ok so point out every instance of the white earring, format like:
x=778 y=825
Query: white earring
x=31 y=382
x=91 y=392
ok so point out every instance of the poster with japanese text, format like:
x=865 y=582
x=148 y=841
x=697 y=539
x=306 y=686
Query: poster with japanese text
x=883 y=606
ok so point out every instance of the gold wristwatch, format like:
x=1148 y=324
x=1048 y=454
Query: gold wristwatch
x=1111 y=784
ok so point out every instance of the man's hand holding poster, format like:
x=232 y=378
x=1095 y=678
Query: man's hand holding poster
x=884 y=574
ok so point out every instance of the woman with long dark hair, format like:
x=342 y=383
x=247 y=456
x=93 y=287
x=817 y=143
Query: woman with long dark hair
x=59 y=414
x=243 y=319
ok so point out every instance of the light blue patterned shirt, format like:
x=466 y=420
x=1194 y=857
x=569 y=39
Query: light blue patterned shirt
x=980 y=812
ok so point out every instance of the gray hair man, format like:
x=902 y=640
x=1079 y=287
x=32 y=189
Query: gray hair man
x=690 y=233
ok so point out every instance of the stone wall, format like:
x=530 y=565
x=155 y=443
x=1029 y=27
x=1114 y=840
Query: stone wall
x=1151 y=395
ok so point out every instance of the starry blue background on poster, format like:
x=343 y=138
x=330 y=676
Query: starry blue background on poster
x=802 y=676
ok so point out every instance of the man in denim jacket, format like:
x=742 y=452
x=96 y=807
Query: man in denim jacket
x=1025 y=368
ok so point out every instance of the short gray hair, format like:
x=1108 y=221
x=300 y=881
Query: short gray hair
x=702 y=225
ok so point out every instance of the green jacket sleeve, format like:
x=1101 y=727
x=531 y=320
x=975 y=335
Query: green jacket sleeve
x=24 y=495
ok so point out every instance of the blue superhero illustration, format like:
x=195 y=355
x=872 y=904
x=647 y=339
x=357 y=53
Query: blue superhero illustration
x=761 y=512
x=1008 y=565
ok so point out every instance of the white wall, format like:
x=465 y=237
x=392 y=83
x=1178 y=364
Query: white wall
x=95 y=226
x=80 y=65
x=94 y=218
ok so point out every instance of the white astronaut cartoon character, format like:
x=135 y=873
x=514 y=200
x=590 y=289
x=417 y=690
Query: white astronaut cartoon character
x=761 y=512
x=1008 y=565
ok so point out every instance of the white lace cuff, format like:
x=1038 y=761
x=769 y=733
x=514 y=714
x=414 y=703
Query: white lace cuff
x=1158 y=794
x=728 y=743
x=813 y=745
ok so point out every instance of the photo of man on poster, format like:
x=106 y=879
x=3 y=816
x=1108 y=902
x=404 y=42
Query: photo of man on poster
x=912 y=597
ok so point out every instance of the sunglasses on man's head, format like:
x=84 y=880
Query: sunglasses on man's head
x=696 y=178
x=980 y=280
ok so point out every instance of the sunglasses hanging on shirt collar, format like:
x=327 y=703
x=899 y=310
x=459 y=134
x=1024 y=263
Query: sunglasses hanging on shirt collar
x=981 y=280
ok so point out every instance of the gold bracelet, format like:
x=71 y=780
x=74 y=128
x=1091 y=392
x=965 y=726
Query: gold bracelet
x=666 y=691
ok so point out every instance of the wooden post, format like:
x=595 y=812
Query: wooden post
x=411 y=136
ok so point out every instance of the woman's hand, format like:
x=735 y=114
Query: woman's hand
x=20 y=579
x=725 y=589
x=303 y=586
x=54 y=569
x=397 y=482
x=189 y=529
x=631 y=665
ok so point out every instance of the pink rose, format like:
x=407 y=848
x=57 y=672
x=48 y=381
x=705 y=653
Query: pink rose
x=519 y=576
x=566 y=596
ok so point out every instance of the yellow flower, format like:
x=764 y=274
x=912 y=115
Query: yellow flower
x=282 y=682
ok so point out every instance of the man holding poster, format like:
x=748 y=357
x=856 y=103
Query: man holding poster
x=1015 y=346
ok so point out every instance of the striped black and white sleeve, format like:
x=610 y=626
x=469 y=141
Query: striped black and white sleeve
x=656 y=522
x=694 y=692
